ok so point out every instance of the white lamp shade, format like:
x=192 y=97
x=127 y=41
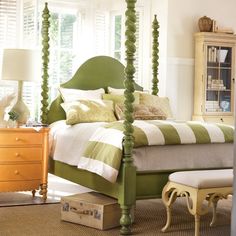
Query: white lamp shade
x=20 y=64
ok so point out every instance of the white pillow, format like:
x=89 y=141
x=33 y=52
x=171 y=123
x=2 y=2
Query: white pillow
x=70 y=95
x=115 y=91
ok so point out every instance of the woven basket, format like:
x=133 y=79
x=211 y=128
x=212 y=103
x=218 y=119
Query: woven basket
x=205 y=24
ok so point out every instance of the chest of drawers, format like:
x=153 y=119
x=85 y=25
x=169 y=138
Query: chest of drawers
x=24 y=160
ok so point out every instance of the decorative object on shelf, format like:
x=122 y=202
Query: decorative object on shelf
x=4 y=103
x=205 y=24
x=225 y=105
x=19 y=65
x=222 y=53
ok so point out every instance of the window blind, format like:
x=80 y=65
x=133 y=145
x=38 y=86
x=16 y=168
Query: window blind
x=8 y=37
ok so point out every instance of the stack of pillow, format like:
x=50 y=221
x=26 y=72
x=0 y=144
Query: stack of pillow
x=96 y=106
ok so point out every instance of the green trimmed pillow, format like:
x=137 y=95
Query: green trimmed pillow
x=85 y=111
x=162 y=103
x=141 y=112
x=119 y=98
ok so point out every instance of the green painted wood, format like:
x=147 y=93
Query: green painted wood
x=45 y=58
x=128 y=193
x=155 y=56
x=84 y=178
x=97 y=72
x=147 y=185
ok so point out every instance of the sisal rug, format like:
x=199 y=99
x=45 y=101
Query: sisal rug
x=150 y=217
x=23 y=198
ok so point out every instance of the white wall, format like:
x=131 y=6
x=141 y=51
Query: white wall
x=183 y=18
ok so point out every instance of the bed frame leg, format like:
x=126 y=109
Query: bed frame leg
x=125 y=220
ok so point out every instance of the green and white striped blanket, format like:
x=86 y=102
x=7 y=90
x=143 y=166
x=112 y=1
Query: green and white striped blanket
x=103 y=152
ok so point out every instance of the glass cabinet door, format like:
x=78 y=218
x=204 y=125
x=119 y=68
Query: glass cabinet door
x=218 y=80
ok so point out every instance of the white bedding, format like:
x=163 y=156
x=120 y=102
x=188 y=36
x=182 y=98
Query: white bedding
x=68 y=142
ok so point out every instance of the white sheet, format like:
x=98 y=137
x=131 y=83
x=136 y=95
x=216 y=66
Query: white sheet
x=68 y=142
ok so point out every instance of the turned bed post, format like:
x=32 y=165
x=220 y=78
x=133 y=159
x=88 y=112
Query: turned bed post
x=45 y=58
x=128 y=191
x=155 y=57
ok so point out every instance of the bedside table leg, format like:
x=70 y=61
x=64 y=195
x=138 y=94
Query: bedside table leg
x=43 y=191
x=33 y=193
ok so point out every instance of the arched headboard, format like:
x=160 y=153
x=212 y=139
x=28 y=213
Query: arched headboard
x=96 y=72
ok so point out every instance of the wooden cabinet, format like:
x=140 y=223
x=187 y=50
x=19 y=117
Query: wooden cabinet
x=24 y=160
x=214 y=77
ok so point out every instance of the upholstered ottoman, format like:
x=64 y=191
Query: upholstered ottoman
x=197 y=186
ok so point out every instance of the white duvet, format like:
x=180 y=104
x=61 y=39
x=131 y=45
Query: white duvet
x=67 y=142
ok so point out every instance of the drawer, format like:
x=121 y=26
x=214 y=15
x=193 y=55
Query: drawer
x=20 y=172
x=20 y=154
x=20 y=138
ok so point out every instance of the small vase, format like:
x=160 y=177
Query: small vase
x=11 y=124
x=205 y=24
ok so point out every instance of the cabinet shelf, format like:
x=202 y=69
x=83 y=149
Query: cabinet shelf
x=219 y=90
x=219 y=67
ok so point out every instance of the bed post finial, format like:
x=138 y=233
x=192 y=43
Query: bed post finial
x=128 y=169
x=155 y=57
x=45 y=58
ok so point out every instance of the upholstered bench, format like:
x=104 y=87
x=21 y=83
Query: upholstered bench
x=197 y=186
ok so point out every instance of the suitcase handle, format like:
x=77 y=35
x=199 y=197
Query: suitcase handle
x=82 y=212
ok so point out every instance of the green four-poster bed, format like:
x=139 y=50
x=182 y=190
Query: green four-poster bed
x=104 y=72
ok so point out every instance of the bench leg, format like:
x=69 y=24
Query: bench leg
x=197 y=225
x=214 y=206
x=169 y=196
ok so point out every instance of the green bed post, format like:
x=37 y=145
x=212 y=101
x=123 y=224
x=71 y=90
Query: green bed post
x=155 y=57
x=45 y=57
x=128 y=191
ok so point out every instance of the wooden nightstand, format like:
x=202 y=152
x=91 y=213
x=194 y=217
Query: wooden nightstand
x=24 y=160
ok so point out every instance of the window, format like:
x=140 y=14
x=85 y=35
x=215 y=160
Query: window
x=77 y=32
x=63 y=35
x=8 y=23
x=118 y=37
x=101 y=35
x=8 y=37
x=63 y=30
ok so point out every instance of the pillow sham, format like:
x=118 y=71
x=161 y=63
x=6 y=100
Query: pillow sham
x=84 y=111
x=158 y=102
x=119 y=98
x=141 y=112
x=115 y=91
x=69 y=95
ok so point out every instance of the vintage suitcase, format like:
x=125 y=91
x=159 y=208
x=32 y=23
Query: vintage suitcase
x=91 y=209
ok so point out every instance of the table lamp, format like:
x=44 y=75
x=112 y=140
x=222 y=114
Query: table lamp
x=19 y=65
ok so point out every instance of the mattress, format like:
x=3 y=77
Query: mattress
x=67 y=144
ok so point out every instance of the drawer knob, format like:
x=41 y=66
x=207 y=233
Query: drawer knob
x=16 y=172
x=17 y=139
x=17 y=154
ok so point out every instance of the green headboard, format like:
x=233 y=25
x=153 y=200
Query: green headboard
x=96 y=72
